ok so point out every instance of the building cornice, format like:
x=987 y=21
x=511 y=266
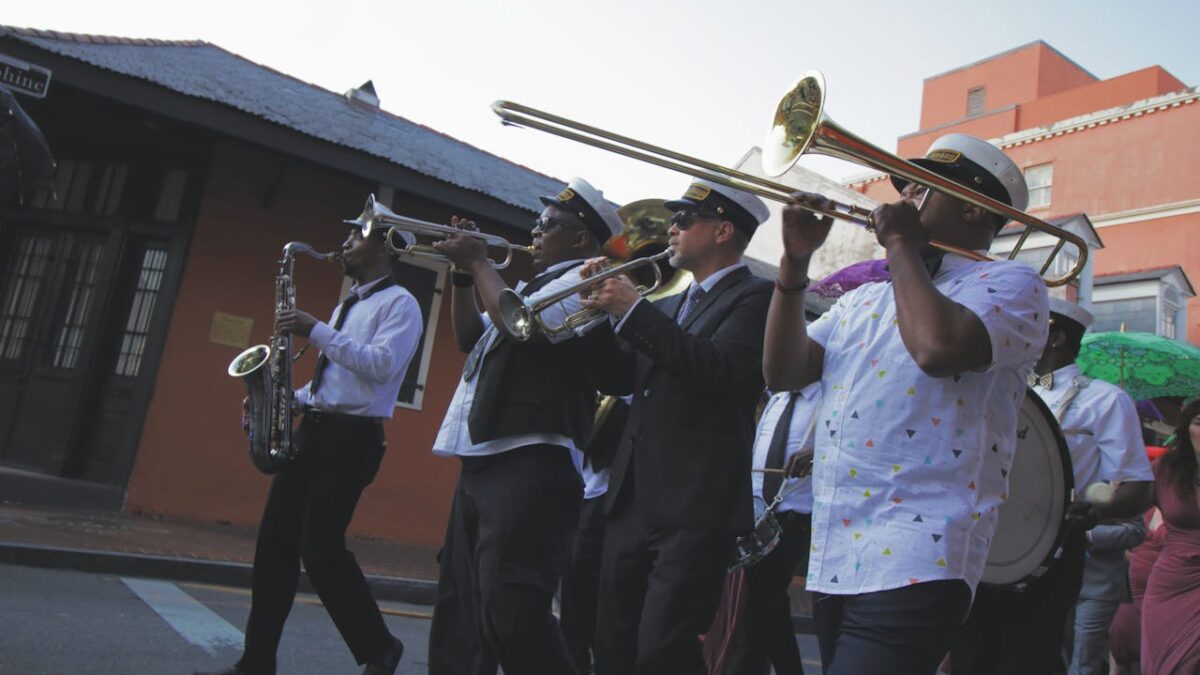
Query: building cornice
x=1155 y=212
x=1099 y=118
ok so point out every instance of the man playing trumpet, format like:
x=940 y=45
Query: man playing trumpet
x=517 y=419
x=678 y=490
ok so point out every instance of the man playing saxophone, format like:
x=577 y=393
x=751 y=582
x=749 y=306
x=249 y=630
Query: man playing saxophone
x=365 y=351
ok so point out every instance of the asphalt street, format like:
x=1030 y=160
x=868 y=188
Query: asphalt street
x=55 y=622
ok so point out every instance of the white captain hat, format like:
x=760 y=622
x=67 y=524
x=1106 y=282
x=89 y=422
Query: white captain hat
x=1071 y=311
x=598 y=215
x=977 y=164
x=743 y=209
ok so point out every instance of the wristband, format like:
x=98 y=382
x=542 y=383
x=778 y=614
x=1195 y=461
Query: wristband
x=462 y=279
x=792 y=290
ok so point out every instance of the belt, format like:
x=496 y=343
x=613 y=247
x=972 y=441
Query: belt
x=316 y=416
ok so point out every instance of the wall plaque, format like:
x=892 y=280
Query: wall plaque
x=230 y=331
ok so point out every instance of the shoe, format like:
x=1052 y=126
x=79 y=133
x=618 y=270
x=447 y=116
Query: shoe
x=387 y=666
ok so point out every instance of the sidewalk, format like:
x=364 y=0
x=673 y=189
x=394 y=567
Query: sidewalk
x=116 y=543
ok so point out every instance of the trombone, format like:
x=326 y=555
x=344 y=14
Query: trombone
x=376 y=216
x=520 y=320
x=800 y=126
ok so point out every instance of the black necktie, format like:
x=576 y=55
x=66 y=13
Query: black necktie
x=773 y=481
x=343 y=312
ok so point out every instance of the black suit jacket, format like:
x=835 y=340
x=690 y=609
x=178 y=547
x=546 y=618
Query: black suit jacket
x=685 y=454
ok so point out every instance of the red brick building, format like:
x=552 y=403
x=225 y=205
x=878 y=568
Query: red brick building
x=1122 y=152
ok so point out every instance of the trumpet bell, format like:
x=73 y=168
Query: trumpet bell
x=797 y=117
x=515 y=315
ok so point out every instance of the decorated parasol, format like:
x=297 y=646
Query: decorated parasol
x=1145 y=365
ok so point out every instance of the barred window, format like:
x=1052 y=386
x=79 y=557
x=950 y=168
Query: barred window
x=25 y=275
x=82 y=271
x=141 y=311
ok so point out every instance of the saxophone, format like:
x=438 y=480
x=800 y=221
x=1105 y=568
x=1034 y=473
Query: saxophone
x=267 y=371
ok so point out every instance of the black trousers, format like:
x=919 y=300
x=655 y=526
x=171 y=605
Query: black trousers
x=659 y=591
x=581 y=583
x=308 y=510
x=904 y=631
x=764 y=636
x=1022 y=632
x=505 y=551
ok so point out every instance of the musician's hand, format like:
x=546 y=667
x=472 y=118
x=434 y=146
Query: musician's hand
x=898 y=223
x=803 y=230
x=295 y=322
x=593 y=266
x=800 y=465
x=463 y=251
x=1083 y=515
x=615 y=295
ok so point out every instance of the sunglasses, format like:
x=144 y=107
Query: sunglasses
x=685 y=219
x=545 y=224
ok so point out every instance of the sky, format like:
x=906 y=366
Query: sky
x=700 y=77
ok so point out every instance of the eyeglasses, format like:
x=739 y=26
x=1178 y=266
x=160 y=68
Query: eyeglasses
x=685 y=219
x=545 y=224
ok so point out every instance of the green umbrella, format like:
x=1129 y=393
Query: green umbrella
x=1143 y=364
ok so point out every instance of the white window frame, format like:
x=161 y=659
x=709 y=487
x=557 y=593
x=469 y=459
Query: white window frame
x=1040 y=193
x=431 y=323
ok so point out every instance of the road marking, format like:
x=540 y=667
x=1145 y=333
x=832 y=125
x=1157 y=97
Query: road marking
x=306 y=599
x=197 y=624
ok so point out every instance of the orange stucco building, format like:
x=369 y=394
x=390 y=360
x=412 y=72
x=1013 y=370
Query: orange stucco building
x=1125 y=151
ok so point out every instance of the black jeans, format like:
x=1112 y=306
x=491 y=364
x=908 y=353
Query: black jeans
x=505 y=551
x=903 y=631
x=1021 y=633
x=311 y=503
x=581 y=583
x=765 y=636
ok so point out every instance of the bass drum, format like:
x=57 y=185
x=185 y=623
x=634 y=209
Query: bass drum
x=1030 y=532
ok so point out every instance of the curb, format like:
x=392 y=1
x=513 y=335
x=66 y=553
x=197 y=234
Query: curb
x=396 y=589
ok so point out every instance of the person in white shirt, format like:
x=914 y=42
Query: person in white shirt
x=1022 y=632
x=921 y=380
x=516 y=422
x=364 y=356
x=764 y=637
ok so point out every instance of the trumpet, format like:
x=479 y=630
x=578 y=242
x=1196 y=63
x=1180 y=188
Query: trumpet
x=520 y=319
x=800 y=126
x=376 y=216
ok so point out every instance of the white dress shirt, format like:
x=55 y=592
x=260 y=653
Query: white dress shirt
x=454 y=437
x=910 y=469
x=369 y=356
x=1102 y=429
x=798 y=491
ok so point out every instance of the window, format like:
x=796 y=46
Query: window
x=26 y=274
x=975 y=100
x=1138 y=314
x=1036 y=257
x=425 y=279
x=141 y=311
x=82 y=269
x=1038 y=179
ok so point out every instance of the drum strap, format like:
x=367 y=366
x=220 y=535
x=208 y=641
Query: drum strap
x=1077 y=385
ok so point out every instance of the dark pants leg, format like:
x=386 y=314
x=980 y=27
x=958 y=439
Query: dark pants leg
x=765 y=637
x=581 y=583
x=309 y=507
x=505 y=552
x=904 y=631
x=659 y=591
x=1021 y=633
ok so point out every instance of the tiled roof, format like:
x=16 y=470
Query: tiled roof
x=1146 y=274
x=206 y=71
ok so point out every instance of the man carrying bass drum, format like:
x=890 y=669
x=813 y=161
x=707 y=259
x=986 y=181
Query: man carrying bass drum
x=921 y=380
x=1022 y=632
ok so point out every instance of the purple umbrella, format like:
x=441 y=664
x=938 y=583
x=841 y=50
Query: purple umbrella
x=849 y=278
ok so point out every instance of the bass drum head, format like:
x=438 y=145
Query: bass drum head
x=1029 y=529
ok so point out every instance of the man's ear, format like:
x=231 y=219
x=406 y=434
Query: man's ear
x=1057 y=338
x=724 y=232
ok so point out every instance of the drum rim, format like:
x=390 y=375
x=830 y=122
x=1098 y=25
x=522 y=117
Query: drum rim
x=1059 y=543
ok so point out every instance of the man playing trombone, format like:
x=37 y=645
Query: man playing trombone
x=520 y=413
x=921 y=379
x=678 y=491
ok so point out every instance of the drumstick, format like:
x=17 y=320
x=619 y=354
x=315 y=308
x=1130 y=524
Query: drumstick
x=768 y=471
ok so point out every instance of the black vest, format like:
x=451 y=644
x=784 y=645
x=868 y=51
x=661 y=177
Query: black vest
x=536 y=387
